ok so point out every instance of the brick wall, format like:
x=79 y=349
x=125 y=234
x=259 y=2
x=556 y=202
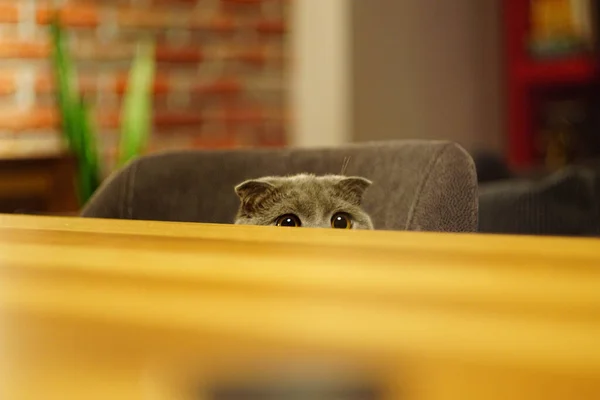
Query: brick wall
x=221 y=77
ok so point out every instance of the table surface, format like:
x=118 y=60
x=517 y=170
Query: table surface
x=119 y=291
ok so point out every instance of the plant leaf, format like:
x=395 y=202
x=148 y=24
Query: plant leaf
x=65 y=82
x=136 y=114
x=75 y=116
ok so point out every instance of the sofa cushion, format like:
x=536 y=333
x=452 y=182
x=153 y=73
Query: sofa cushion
x=417 y=185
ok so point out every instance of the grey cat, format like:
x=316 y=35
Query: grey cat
x=330 y=201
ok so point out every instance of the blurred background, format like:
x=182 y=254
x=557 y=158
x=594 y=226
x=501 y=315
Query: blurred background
x=219 y=77
x=516 y=79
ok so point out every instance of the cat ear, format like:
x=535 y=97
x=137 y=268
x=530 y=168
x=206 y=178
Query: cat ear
x=353 y=188
x=251 y=192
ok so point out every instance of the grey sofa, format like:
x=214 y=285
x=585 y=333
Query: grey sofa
x=418 y=185
x=565 y=203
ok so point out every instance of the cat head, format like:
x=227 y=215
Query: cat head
x=330 y=201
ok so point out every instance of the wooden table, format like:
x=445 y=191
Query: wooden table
x=99 y=309
x=44 y=184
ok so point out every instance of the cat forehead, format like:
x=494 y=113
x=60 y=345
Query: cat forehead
x=303 y=181
x=307 y=197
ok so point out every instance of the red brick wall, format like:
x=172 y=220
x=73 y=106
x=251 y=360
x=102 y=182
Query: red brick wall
x=220 y=80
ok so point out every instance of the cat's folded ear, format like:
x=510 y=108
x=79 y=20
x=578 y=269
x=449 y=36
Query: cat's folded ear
x=353 y=188
x=251 y=193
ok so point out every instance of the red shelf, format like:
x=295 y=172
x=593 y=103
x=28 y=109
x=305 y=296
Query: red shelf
x=526 y=75
x=580 y=69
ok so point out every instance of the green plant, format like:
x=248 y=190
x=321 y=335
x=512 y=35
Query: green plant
x=137 y=105
x=75 y=112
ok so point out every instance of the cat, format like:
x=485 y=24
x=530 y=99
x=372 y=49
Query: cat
x=304 y=200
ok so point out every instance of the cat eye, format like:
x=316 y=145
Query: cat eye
x=288 y=220
x=341 y=221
